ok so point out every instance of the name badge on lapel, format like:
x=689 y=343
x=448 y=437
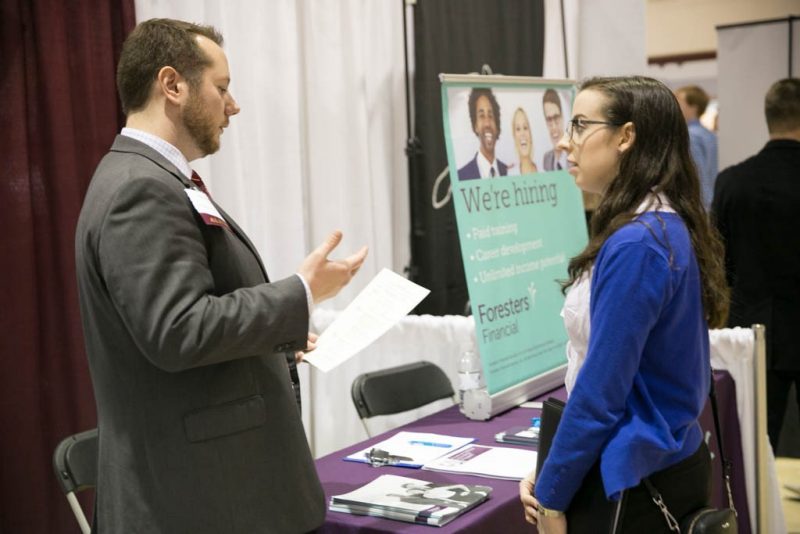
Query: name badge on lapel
x=205 y=208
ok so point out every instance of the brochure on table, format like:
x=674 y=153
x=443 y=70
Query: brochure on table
x=493 y=462
x=410 y=499
x=420 y=447
x=518 y=230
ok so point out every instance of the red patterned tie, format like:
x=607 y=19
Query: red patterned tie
x=199 y=183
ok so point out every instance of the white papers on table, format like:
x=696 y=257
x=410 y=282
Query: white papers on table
x=421 y=447
x=493 y=462
x=385 y=300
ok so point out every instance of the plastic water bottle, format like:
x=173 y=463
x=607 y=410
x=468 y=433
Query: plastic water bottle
x=470 y=374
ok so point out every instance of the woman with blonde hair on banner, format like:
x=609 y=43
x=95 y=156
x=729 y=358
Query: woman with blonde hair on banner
x=523 y=142
x=641 y=297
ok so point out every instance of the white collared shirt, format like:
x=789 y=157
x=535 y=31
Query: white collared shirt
x=168 y=150
x=485 y=166
x=562 y=160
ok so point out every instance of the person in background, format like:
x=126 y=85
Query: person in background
x=702 y=143
x=755 y=208
x=186 y=336
x=641 y=297
x=484 y=115
x=523 y=142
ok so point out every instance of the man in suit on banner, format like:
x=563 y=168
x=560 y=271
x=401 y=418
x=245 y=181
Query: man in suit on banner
x=755 y=208
x=484 y=115
x=555 y=159
x=199 y=430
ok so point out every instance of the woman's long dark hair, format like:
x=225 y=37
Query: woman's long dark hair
x=658 y=162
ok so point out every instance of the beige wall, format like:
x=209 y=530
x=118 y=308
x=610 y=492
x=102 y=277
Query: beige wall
x=688 y=26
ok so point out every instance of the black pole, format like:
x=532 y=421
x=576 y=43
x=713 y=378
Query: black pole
x=408 y=78
x=412 y=150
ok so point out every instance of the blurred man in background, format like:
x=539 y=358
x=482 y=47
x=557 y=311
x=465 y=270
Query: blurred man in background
x=755 y=208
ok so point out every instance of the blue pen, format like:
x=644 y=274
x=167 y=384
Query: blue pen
x=429 y=444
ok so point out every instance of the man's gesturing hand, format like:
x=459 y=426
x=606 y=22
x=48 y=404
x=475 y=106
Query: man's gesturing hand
x=326 y=277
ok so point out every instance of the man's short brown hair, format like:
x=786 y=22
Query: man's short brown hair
x=782 y=106
x=154 y=44
x=695 y=97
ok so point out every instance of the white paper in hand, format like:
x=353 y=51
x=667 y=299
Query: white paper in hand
x=385 y=300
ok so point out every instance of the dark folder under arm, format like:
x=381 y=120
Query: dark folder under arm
x=552 y=409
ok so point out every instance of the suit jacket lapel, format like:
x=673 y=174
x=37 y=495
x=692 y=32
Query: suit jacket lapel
x=126 y=144
x=243 y=237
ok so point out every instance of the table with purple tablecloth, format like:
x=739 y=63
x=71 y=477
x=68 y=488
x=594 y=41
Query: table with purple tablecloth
x=503 y=511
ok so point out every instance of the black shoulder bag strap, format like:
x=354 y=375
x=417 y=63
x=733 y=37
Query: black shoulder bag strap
x=727 y=468
x=727 y=465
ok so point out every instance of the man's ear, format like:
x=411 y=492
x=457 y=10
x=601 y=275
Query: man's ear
x=627 y=137
x=172 y=85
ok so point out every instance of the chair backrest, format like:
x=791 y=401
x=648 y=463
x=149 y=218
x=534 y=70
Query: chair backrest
x=75 y=464
x=399 y=389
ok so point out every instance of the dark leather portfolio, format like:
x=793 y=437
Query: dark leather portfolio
x=552 y=409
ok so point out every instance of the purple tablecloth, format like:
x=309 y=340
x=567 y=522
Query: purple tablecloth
x=503 y=511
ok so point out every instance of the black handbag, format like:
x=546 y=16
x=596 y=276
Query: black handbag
x=706 y=520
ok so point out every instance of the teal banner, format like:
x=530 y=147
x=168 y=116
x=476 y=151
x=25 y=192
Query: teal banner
x=520 y=218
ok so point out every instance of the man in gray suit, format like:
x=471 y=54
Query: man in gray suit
x=199 y=429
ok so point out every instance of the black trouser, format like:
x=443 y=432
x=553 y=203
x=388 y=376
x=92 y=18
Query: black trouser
x=685 y=487
x=778 y=385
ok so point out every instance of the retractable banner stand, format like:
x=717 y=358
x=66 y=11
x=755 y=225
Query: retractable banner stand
x=518 y=224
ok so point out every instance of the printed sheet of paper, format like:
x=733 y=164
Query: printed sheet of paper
x=385 y=300
x=493 y=462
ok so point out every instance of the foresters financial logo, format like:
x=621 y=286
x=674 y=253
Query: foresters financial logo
x=501 y=320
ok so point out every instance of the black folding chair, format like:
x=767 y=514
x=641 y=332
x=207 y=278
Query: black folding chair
x=399 y=389
x=75 y=464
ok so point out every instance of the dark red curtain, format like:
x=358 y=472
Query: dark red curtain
x=58 y=116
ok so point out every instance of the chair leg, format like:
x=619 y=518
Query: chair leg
x=366 y=428
x=78 y=511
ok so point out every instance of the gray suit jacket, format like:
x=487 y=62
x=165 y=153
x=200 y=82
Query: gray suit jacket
x=199 y=429
x=549 y=162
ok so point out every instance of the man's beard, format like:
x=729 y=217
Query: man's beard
x=200 y=126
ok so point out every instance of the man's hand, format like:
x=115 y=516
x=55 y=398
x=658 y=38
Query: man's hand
x=327 y=277
x=310 y=345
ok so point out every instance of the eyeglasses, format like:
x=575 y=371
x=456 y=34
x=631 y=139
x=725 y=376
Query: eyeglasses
x=576 y=127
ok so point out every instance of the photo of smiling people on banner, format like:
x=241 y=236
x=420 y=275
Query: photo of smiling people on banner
x=507 y=133
x=484 y=116
x=517 y=223
x=523 y=142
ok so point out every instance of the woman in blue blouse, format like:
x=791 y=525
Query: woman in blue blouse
x=641 y=297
